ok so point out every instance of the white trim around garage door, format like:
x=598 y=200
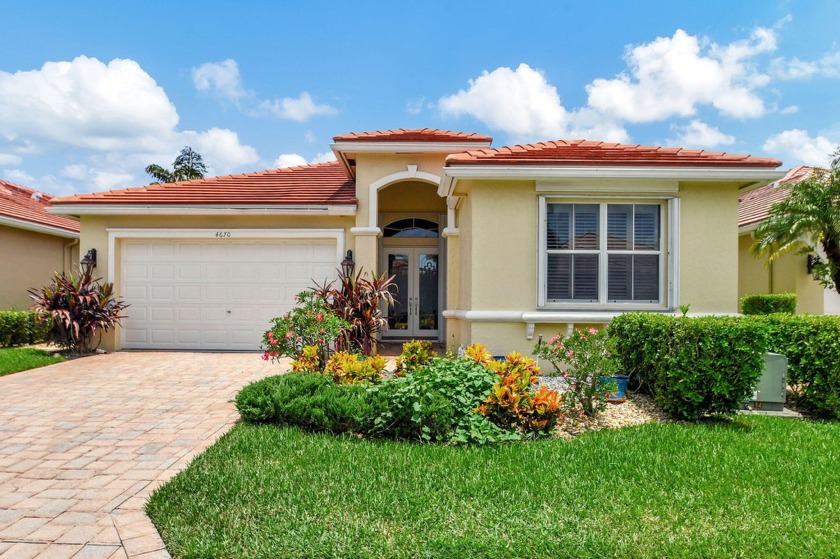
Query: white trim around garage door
x=222 y=234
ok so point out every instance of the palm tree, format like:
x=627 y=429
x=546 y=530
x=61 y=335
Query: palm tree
x=808 y=217
x=187 y=166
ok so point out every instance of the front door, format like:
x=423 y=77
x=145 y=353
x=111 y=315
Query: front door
x=416 y=310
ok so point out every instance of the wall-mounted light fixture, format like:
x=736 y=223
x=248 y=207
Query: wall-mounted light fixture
x=90 y=259
x=813 y=260
x=347 y=265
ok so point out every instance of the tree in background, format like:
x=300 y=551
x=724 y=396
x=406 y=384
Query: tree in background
x=811 y=216
x=187 y=166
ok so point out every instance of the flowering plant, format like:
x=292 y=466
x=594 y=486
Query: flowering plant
x=310 y=323
x=584 y=359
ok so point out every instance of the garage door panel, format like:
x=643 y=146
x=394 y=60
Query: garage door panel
x=160 y=293
x=136 y=293
x=189 y=271
x=136 y=272
x=162 y=336
x=162 y=271
x=165 y=314
x=165 y=252
x=136 y=335
x=215 y=294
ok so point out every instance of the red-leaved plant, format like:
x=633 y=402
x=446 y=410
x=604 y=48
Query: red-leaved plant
x=359 y=301
x=77 y=306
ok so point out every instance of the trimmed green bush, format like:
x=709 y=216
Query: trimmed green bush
x=692 y=366
x=638 y=339
x=309 y=400
x=438 y=403
x=767 y=303
x=21 y=327
x=812 y=347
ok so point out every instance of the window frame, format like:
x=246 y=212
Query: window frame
x=668 y=253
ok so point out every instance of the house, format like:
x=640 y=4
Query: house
x=34 y=244
x=788 y=273
x=492 y=245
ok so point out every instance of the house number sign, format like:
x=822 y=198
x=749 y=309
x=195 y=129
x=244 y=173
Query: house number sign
x=223 y=234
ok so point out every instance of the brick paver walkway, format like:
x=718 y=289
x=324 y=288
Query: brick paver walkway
x=83 y=443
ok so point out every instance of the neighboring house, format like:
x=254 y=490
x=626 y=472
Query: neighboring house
x=488 y=245
x=788 y=273
x=33 y=243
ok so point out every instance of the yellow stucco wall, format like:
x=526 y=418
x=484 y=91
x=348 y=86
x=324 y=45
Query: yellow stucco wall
x=709 y=247
x=786 y=274
x=499 y=253
x=29 y=260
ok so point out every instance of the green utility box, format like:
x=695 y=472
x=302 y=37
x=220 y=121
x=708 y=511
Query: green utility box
x=771 y=391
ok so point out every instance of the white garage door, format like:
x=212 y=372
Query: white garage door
x=214 y=294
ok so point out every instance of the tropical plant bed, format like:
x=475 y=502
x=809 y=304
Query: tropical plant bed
x=17 y=359
x=705 y=489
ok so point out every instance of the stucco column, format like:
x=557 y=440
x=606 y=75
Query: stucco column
x=366 y=254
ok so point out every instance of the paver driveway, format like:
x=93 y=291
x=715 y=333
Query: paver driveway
x=83 y=443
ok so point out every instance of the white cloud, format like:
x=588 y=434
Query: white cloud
x=299 y=109
x=113 y=118
x=519 y=101
x=800 y=146
x=86 y=103
x=827 y=65
x=221 y=150
x=324 y=157
x=524 y=104
x=672 y=76
x=220 y=78
x=223 y=80
x=295 y=160
x=289 y=160
x=19 y=176
x=415 y=106
x=98 y=179
x=789 y=110
x=309 y=137
x=698 y=134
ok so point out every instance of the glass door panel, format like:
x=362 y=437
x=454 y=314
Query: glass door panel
x=427 y=292
x=416 y=310
x=398 y=266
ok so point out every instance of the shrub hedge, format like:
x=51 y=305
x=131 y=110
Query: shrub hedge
x=21 y=327
x=812 y=347
x=438 y=402
x=692 y=366
x=769 y=303
x=312 y=401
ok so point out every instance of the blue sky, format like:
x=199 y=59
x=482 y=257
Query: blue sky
x=92 y=92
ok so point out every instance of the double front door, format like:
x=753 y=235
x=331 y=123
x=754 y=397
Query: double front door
x=416 y=310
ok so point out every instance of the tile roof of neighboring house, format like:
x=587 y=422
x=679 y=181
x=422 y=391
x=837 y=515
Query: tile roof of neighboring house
x=317 y=184
x=413 y=135
x=754 y=206
x=27 y=204
x=583 y=152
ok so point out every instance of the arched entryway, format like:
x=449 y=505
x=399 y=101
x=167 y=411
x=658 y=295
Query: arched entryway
x=411 y=218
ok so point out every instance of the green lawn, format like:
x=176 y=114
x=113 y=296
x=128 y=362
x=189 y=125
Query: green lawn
x=756 y=486
x=16 y=359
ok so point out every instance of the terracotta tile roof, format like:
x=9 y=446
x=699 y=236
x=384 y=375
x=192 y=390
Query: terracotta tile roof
x=413 y=135
x=27 y=204
x=754 y=206
x=317 y=184
x=583 y=152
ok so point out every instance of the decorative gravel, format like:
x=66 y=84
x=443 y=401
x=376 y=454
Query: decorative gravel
x=637 y=410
